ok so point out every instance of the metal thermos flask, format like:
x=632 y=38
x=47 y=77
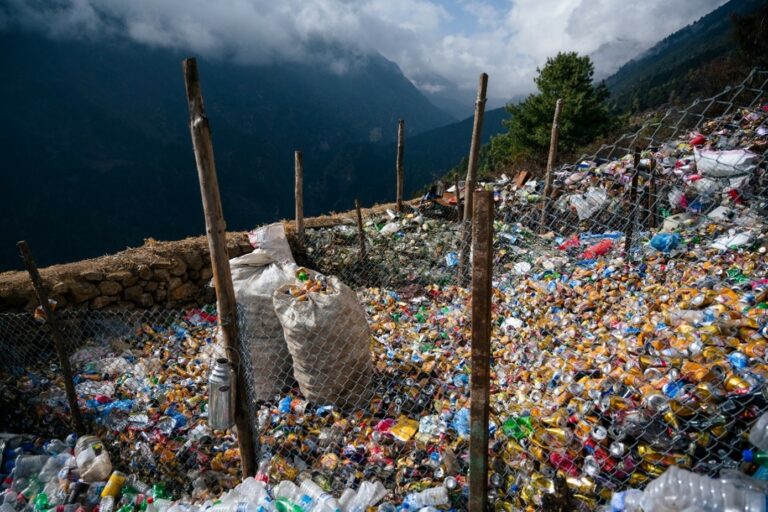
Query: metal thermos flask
x=221 y=396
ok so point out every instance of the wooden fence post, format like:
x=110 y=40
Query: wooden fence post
x=633 y=206
x=58 y=338
x=459 y=211
x=299 y=194
x=360 y=231
x=399 y=164
x=482 y=250
x=550 y=164
x=217 y=242
x=471 y=181
x=474 y=147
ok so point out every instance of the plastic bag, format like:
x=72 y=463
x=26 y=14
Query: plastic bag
x=722 y=164
x=255 y=277
x=271 y=239
x=328 y=337
x=676 y=198
x=665 y=242
x=589 y=203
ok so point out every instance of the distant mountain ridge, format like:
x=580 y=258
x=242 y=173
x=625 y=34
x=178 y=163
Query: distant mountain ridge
x=98 y=154
x=669 y=68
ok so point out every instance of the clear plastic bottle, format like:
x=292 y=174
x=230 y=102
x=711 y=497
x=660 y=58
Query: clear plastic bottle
x=240 y=506
x=678 y=489
x=321 y=501
x=29 y=465
x=758 y=435
x=367 y=496
x=107 y=504
x=428 y=497
x=252 y=490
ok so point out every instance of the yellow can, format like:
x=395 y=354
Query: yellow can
x=114 y=485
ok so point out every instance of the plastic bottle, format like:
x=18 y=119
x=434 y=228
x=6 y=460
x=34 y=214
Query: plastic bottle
x=743 y=481
x=107 y=504
x=29 y=465
x=755 y=457
x=252 y=490
x=367 y=496
x=678 y=489
x=262 y=474
x=289 y=498
x=31 y=490
x=321 y=501
x=428 y=497
x=285 y=505
x=758 y=435
x=240 y=506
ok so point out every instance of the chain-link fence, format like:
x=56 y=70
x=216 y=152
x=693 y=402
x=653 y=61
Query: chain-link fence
x=141 y=380
x=606 y=367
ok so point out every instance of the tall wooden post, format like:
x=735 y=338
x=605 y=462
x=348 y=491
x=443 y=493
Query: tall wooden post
x=474 y=147
x=399 y=165
x=633 y=207
x=299 y=193
x=58 y=338
x=471 y=181
x=459 y=211
x=217 y=242
x=550 y=164
x=482 y=250
x=360 y=231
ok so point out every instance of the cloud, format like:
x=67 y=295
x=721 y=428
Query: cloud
x=455 y=39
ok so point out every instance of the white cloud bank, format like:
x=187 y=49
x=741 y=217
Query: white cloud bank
x=456 y=39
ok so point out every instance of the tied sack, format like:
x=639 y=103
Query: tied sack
x=255 y=277
x=328 y=337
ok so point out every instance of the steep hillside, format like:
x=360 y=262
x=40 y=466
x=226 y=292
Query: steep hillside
x=670 y=69
x=97 y=151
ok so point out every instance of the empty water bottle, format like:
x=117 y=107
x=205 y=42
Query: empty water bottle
x=428 y=497
x=678 y=490
x=758 y=436
x=367 y=496
x=321 y=501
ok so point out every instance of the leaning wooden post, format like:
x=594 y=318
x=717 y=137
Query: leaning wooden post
x=482 y=250
x=474 y=147
x=299 y=192
x=360 y=231
x=459 y=212
x=633 y=206
x=399 y=165
x=550 y=164
x=471 y=181
x=58 y=338
x=217 y=242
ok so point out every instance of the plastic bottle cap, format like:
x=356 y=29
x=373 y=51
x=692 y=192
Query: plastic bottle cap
x=748 y=455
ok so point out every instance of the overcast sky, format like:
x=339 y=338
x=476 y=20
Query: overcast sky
x=454 y=39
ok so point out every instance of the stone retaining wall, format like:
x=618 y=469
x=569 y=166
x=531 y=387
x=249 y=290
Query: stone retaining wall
x=158 y=274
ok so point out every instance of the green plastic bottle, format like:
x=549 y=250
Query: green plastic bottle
x=755 y=457
x=284 y=505
x=518 y=427
x=41 y=502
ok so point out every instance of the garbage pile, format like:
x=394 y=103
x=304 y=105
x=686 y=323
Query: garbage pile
x=76 y=476
x=724 y=161
x=606 y=371
x=144 y=394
